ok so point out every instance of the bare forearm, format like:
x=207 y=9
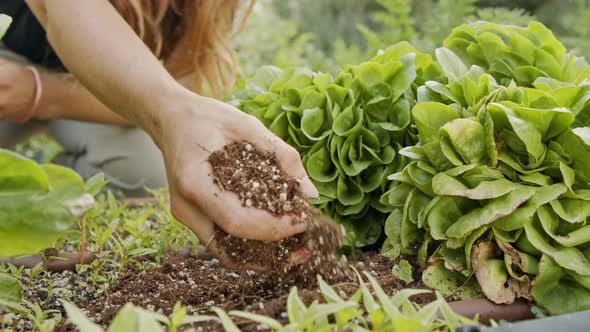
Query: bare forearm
x=65 y=98
x=107 y=57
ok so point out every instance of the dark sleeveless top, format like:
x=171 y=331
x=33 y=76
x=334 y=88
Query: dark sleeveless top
x=26 y=36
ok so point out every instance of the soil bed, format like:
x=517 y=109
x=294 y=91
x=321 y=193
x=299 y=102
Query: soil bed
x=201 y=284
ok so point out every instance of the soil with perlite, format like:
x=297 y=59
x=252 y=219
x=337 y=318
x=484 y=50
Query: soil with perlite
x=256 y=177
x=200 y=284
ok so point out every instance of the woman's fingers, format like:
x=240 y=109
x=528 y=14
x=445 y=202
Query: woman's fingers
x=191 y=216
x=201 y=225
x=247 y=222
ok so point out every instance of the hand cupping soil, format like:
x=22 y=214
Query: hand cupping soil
x=255 y=176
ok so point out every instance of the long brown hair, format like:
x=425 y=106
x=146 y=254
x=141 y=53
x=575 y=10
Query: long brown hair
x=204 y=29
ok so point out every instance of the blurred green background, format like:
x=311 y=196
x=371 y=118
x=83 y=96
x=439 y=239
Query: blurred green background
x=326 y=34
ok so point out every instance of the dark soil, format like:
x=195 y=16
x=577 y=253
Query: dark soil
x=256 y=177
x=202 y=284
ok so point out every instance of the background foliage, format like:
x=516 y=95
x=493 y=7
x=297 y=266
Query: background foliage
x=325 y=35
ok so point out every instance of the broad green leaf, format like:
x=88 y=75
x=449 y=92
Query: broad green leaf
x=571 y=210
x=320 y=167
x=418 y=174
x=18 y=174
x=393 y=225
x=410 y=233
x=361 y=234
x=494 y=210
x=429 y=117
x=505 y=118
x=567 y=174
x=11 y=289
x=466 y=137
x=442 y=184
x=452 y=66
x=404 y=78
x=315 y=123
x=569 y=258
x=348 y=122
x=444 y=213
x=576 y=143
x=403 y=271
x=348 y=192
x=524 y=214
x=536 y=179
x=435 y=156
x=398 y=117
x=550 y=223
x=450 y=283
x=454 y=258
x=556 y=291
x=31 y=221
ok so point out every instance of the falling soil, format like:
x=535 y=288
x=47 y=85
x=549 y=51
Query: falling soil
x=258 y=180
x=201 y=284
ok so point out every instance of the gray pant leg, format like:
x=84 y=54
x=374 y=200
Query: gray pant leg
x=127 y=156
x=12 y=133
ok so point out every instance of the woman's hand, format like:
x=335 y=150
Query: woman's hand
x=17 y=90
x=188 y=136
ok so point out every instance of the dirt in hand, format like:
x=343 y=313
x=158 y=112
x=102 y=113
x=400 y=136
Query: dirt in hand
x=258 y=180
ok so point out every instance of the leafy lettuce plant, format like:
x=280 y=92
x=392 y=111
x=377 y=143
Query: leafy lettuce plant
x=38 y=204
x=347 y=128
x=513 y=53
x=487 y=160
x=496 y=186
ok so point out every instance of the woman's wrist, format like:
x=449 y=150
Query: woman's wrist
x=38 y=91
x=162 y=115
